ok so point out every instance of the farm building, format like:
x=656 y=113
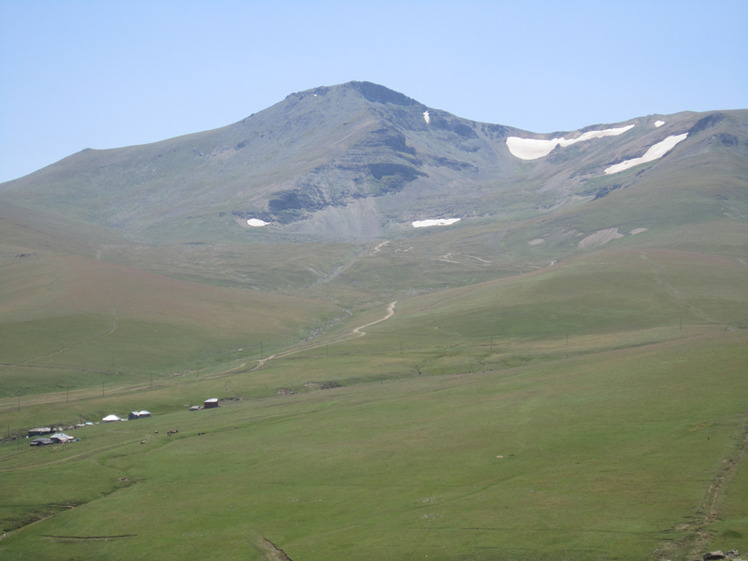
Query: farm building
x=138 y=414
x=56 y=438
x=210 y=403
x=61 y=437
x=40 y=431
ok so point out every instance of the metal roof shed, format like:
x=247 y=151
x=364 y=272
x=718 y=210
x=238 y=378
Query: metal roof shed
x=210 y=403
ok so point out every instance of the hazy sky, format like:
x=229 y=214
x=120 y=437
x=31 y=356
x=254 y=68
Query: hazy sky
x=108 y=73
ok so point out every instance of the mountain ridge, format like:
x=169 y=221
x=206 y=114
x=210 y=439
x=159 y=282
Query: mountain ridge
x=353 y=162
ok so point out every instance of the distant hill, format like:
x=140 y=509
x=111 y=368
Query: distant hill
x=359 y=162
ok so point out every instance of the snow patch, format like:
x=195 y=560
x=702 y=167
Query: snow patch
x=256 y=223
x=655 y=152
x=638 y=231
x=434 y=222
x=534 y=148
x=658 y=124
x=426 y=116
x=536 y=241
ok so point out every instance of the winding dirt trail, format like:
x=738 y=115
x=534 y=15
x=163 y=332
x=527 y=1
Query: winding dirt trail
x=357 y=331
x=390 y=312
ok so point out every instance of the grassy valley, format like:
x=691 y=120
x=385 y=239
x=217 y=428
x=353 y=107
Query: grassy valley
x=591 y=409
x=560 y=375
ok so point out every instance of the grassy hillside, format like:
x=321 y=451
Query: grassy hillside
x=558 y=375
x=592 y=409
x=582 y=458
x=70 y=322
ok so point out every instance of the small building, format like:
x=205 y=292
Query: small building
x=110 y=419
x=42 y=441
x=61 y=437
x=40 y=431
x=195 y=408
x=144 y=414
x=211 y=403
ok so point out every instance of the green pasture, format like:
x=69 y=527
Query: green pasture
x=591 y=409
x=601 y=456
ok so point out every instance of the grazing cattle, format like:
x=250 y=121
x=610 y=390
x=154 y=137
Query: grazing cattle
x=175 y=431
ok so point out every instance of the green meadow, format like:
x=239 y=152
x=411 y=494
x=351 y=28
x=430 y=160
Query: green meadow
x=592 y=409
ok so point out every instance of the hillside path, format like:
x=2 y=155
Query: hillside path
x=358 y=331
x=390 y=312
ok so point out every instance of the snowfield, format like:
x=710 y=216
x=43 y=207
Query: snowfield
x=534 y=148
x=434 y=222
x=655 y=152
x=256 y=223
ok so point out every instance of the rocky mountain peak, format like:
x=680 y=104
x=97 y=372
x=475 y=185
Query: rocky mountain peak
x=356 y=162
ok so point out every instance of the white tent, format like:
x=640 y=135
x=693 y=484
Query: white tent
x=110 y=419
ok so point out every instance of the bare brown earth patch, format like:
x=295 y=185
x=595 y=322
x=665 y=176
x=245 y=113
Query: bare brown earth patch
x=270 y=550
x=697 y=533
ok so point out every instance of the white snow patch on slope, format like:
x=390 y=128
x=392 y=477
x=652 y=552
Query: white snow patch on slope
x=655 y=152
x=658 y=124
x=256 y=223
x=434 y=222
x=426 y=116
x=534 y=148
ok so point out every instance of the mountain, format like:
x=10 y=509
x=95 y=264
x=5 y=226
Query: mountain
x=359 y=162
x=429 y=337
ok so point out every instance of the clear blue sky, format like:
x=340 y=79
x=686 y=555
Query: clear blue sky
x=109 y=73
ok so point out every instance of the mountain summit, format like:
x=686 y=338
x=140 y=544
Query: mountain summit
x=358 y=162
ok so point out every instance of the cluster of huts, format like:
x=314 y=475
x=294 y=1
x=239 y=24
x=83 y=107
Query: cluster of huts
x=130 y=416
x=43 y=436
x=46 y=436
